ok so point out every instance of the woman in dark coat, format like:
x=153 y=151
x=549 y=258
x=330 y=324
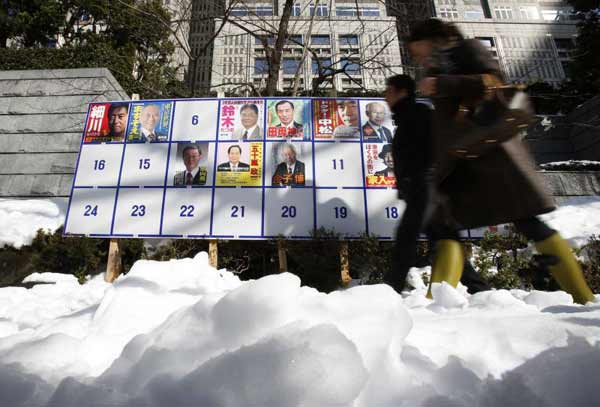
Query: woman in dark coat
x=498 y=186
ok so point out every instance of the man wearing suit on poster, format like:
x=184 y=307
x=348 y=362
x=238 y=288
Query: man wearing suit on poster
x=285 y=113
x=374 y=131
x=250 y=129
x=347 y=111
x=234 y=153
x=193 y=174
x=117 y=121
x=149 y=119
x=388 y=159
x=290 y=171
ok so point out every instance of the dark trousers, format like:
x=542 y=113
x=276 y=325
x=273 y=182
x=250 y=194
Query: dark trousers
x=415 y=220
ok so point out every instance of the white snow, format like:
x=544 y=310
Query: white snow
x=570 y=163
x=577 y=218
x=180 y=333
x=50 y=278
x=22 y=218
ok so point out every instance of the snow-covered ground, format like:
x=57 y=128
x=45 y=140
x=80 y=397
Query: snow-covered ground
x=181 y=333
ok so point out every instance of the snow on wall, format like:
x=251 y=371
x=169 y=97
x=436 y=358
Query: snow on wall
x=182 y=333
x=22 y=218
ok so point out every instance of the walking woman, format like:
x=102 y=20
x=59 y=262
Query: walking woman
x=484 y=172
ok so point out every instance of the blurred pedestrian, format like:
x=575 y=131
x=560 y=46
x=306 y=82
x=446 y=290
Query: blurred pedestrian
x=412 y=157
x=482 y=169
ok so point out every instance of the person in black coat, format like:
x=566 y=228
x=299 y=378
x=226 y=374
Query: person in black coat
x=486 y=176
x=412 y=149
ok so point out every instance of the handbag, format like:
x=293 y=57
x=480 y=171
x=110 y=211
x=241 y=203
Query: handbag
x=501 y=114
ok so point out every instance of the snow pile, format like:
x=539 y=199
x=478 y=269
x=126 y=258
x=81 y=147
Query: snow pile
x=182 y=333
x=577 y=218
x=22 y=218
x=571 y=165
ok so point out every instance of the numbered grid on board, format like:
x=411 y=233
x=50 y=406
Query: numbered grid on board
x=152 y=198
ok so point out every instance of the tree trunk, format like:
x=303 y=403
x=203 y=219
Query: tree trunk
x=274 y=54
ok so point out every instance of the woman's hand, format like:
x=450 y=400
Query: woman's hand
x=428 y=86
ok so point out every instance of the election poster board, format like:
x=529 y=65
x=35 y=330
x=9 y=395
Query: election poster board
x=235 y=168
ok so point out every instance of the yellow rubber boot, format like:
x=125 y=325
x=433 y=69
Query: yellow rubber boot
x=567 y=271
x=448 y=264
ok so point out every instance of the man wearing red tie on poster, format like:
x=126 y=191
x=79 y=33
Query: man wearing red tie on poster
x=193 y=174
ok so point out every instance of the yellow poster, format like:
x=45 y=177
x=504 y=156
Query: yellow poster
x=240 y=164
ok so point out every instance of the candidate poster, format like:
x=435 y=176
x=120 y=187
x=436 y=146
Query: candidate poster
x=289 y=164
x=190 y=164
x=336 y=119
x=379 y=165
x=377 y=124
x=107 y=122
x=241 y=120
x=239 y=164
x=149 y=121
x=288 y=119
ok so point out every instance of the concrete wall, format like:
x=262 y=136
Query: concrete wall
x=42 y=114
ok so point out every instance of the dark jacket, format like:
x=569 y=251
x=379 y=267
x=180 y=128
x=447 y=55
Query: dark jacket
x=501 y=185
x=412 y=144
x=281 y=177
x=199 y=179
x=227 y=166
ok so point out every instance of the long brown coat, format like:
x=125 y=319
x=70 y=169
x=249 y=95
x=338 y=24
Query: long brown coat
x=500 y=186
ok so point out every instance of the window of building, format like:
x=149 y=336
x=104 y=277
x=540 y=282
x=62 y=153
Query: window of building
x=348 y=40
x=487 y=41
x=351 y=66
x=530 y=13
x=260 y=66
x=503 y=13
x=294 y=40
x=270 y=39
x=474 y=14
x=449 y=13
x=324 y=63
x=322 y=10
x=264 y=11
x=550 y=15
x=296 y=10
x=239 y=11
x=290 y=66
x=350 y=11
x=320 y=40
x=564 y=43
x=370 y=12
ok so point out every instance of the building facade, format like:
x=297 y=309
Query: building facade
x=356 y=38
x=531 y=39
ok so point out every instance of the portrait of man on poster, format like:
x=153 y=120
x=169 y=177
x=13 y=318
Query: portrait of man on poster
x=234 y=152
x=374 y=131
x=289 y=171
x=347 y=111
x=193 y=174
x=250 y=129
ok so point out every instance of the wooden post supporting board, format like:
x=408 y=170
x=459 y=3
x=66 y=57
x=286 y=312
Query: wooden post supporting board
x=114 y=267
x=282 y=254
x=345 y=264
x=213 y=253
